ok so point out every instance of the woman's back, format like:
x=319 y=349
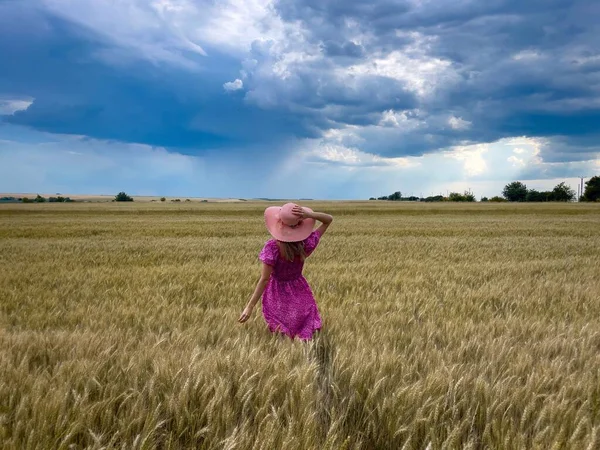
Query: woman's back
x=283 y=269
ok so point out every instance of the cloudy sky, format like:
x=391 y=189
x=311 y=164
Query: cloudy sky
x=328 y=99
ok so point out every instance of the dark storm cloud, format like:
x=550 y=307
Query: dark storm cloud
x=348 y=49
x=75 y=93
x=468 y=72
x=523 y=68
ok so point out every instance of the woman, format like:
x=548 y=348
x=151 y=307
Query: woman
x=288 y=305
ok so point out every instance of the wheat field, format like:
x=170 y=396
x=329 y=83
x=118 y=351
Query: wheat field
x=446 y=326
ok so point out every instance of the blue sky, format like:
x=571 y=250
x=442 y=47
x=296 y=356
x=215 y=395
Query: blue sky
x=299 y=99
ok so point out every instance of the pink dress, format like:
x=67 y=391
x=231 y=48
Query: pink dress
x=288 y=303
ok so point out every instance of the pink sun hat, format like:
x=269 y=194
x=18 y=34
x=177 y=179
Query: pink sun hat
x=285 y=226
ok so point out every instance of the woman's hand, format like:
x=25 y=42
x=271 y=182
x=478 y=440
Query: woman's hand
x=299 y=211
x=245 y=314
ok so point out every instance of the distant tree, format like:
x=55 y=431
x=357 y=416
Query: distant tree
x=58 y=199
x=26 y=200
x=563 y=193
x=592 y=190
x=39 y=199
x=466 y=197
x=434 y=198
x=162 y=199
x=123 y=197
x=536 y=196
x=497 y=199
x=515 y=192
x=485 y=199
x=396 y=196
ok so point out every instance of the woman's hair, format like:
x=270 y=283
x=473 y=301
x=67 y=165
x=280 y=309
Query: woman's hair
x=291 y=250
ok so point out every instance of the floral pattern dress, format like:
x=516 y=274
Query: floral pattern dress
x=288 y=303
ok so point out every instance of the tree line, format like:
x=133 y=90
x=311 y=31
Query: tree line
x=515 y=191
x=467 y=196
x=37 y=199
x=518 y=192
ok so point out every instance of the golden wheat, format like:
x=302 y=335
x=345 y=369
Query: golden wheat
x=445 y=326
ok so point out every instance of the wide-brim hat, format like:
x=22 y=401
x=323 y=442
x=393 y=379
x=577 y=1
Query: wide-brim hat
x=285 y=226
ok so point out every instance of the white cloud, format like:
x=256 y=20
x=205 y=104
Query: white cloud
x=9 y=106
x=235 y=85
x=458 y=123
x=419 y=72
x=165 y=30
x=157 y=31
x=399 y=119
x=233 y=25
x=525 y=145
x=516 y=162
x=351 y=157
x=527 y=55
x=472 y=158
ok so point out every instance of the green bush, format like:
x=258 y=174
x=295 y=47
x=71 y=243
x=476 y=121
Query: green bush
x=466 y=197
x=435 y=198
x=123 y=197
